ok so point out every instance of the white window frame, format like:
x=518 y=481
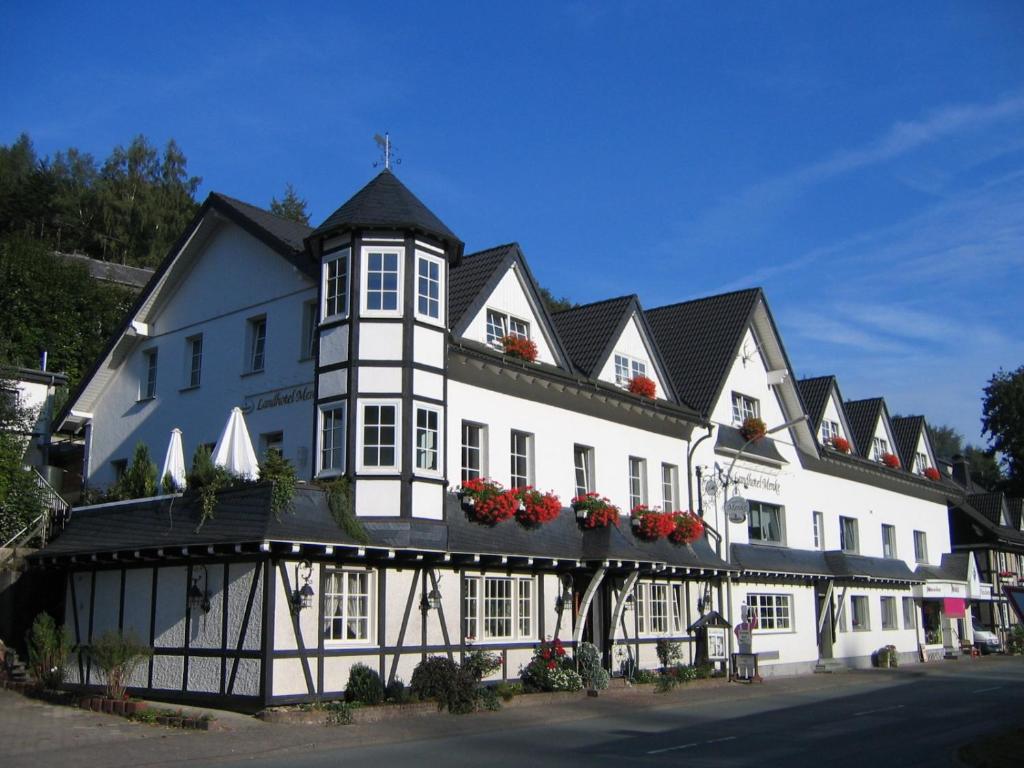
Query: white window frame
x=515 y=457
x=864 y=624
x=340 y=256
x=774 y=611
x=344 y=604
x=367 y=253
x=921 y=547
x=479 y=615
x=921 y=463
x=818 y=529
x=889 y=541
x=829 y=429
x=637 y=481
x=744 y=407
x=255 y=344
x=372 y=469
x=481 y=450
x=627 y=368
x=844 y=543
x=669 y=487
x=659 y=607
x=879 y=447
x=583 y=468
x=193 y=372
x=434 y=261
x=510 y=325
x=763 y=506
x=150 y=371
x=894 y=623
x=438 y=430
x=342 y=406
x=909 y=612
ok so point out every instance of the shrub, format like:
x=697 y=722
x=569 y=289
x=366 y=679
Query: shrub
x=338 y=713
x=117 y=657
x=479 y=664
x=139 y=480
x=364 y=686
x=594 y=676
x=488 y=699
x=48 y=649
x=550 y=670
x=644 y=676
x=517 y=346
x=395 y=692
x=507 y=691
x=670 y=653
x=537 y=508
x=206 y=479
x=643 y=386
x=1015 y=640
x=433 y=679
x=280 y=473
x=689 y=528
x=597 y=511
x=487 y=502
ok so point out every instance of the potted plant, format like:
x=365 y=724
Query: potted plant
x=891 y=460
x=650 y=524
x=753 y=428
x=688 y=528
x=643 y=386
x=932 y=474
x=487 y=502
x=840 y=444
x=520 y=347
x=536 y=508
x=595 y=511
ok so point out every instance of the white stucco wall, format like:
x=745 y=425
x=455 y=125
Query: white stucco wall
x=631 y=343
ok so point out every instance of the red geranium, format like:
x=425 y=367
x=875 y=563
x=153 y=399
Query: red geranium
x=487 y=501
x=932 y=473
x=840 y=444
x=595 y=511
x=688 y=528
x=650 y=524
x=891 y=460
x=641 y=385
x=517 y=346
x=537 y=508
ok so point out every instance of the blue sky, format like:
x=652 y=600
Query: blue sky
x=864 y=163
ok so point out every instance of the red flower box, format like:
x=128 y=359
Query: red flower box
x=487 y=502
x=932 y=473
x=517 y=346
x=688 y=528
x=840 y=444
x=643 y=386
x=753 y=428
x=650 y=524
x=595 y=511
x=537 y=508
x=891 y=460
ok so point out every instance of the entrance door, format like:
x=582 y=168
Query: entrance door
x=824 y=608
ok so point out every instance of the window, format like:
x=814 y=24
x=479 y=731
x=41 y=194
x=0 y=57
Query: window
x=499 y=608
x=888 y=541
x=637 y=481
x=332 y=438
x=879 y=447
x=382 y=282
x=517 y=327
x=499 y=324
x=347 y=605
x=659 y=608
x=860 y=619
x=521 y=472
x=743 y=408
x=818 y=529
x=920 y=547
x=307 y=344
x=829 y=429
x=195 y=361
x=427 y=431
x=271 y=441
x=921 y=463
x=428 y=287
x=669 y=487
x=380 y=435
x=678 y=608
x=653 y=609
x=583 y=461
x=148 y=389
x=889 y=613
x=909 y=613
x=627 y=368
x=335 y=287
x=774 y=612
x=474 y=441
x=848 y=534
x=765 y=525
x=257 y=344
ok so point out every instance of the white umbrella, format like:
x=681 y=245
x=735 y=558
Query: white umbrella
x=234 y=449
x=174 y=463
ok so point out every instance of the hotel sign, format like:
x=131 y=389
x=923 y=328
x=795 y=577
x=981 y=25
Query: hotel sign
x=275 y=398
x=761 y=482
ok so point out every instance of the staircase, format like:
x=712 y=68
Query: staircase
x=829 y=666
x=48 y=524
x=15 y=668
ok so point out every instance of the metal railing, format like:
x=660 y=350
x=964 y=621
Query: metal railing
x=56 y=513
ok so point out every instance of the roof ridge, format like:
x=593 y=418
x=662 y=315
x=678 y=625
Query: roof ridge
x=492 y=249
x=755 y=289
x=817 y=378
x=597 y=303
x=267 y=211
x=864 y=400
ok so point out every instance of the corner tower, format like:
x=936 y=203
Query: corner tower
x=381 y=351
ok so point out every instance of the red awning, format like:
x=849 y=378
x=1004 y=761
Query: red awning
x=953 y=607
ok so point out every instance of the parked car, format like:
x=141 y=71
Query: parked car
x=985 y=640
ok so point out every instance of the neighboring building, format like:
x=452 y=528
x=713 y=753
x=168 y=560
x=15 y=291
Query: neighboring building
x=370 y=348
x=132 y=278
x=36 y=392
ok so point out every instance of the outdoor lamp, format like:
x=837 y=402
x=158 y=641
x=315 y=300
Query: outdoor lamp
x=302 y=597
x=565 y=596
x=431 y=601
x=199 y=598
x=630 y=601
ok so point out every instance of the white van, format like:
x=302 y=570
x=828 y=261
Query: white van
x=985 y=640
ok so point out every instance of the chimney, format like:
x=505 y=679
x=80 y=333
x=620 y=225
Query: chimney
x=961 y=472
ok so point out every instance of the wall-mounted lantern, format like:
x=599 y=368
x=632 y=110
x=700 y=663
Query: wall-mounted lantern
x=302 y=597
x=565 y=596
x=630 y=602
x=199 y=597
x=432 y=600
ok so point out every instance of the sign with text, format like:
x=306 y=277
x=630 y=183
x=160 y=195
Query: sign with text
x=275 y=398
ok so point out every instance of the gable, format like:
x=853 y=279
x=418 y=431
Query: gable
x=833 y=413
x=923 y=447
x=634 y=345
x=881 y=431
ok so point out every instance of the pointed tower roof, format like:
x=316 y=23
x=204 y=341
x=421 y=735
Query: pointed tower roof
x=386 y=203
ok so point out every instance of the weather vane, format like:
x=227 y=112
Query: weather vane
x=384 y=142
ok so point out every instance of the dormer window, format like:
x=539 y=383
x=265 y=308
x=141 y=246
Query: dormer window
x=743 y=408
x=920 y=463
x=500 y=325
x=829 y=430
x=628 y=368
x=879 y=447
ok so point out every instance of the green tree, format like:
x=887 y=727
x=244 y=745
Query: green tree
x=946 y=441
x=553 y=304
x=1003 y=421
x=139 y=480
x=21 y=500
x=291 y=206
x=983 y=468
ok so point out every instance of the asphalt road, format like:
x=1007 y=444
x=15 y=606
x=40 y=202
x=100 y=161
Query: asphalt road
x=912 y=718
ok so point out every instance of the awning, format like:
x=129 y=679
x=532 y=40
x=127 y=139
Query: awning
x=953 y=607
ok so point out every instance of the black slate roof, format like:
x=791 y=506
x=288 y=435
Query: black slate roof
x=968 y=524
x=698 y=342
x=814 y=392
x=906 y=430
x=586 y=331
x=988 y=504
x=952 y=567
x=1015 y=507
x=469 y=277
x=863 y=416
x=808 y=562
x=288 y=232
x=386 y=203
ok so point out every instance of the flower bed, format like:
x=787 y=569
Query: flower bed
x=891 y=460
x=840 y=444
x=536 y=508
x=487 y=502
x=643 y=386
x=595 y=511
x=753 y=429
x=517 y=346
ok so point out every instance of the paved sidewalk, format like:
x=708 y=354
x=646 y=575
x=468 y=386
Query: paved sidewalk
x=36 y=734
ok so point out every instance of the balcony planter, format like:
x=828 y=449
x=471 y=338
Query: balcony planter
x=840 y=444
x=595 y=511
x=485 y=501
x=651 y=525
x=891 y=460
x=688 y=528
x=518 y=347
x=536 y=508
x=932 y=474
x=643 y=386
x=753 y=429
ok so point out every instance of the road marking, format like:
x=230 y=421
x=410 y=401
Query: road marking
x=727 y=738
x=986 y=690
x=671 y=749
x=873 y=711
